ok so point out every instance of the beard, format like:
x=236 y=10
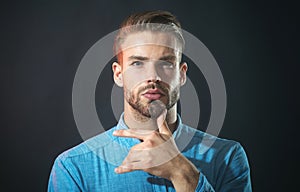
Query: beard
x=154 y=108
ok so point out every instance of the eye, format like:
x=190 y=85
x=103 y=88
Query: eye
x=166 y=65
x=137 y=63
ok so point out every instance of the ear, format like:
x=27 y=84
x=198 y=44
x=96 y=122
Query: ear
x=183 y=69
x=117 y=70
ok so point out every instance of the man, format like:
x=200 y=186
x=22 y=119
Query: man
x=151 y=149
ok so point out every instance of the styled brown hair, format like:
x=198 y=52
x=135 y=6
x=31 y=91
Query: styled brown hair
x=159 y=21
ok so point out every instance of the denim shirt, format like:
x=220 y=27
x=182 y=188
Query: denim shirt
x=89 y=166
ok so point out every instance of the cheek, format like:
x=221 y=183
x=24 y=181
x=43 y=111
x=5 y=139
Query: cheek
x=172 y=79
x=132 y=78
x=130 y=93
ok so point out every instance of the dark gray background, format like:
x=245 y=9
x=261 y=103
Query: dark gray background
x=42 y=43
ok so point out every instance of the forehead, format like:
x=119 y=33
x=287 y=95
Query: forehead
x=150 y=38
x=153 y=43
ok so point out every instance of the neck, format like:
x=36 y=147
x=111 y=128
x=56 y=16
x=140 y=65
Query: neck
x=135 y=120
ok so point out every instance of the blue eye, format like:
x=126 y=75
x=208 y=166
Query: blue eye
x=137 y=63
x=166 y=65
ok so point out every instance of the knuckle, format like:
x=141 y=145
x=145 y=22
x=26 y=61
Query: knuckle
x=149 y=143
x=154 y=134
x=128 y=167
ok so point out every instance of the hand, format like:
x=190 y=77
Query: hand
x=158 y=154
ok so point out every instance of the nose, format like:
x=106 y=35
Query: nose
x=153 y=75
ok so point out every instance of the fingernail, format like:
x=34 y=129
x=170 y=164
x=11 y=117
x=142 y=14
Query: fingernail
x=115 y=132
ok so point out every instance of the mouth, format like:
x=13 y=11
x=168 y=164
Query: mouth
x=153 y=94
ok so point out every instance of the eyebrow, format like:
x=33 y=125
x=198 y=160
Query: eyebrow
x=136 y=57
x=163 y=58
x=168 y=58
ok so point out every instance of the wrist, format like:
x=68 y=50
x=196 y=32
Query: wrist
x=186 y=176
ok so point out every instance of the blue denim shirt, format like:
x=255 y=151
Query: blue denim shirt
x=90 y=165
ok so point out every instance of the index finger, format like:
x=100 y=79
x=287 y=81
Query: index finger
x=162 y=124
x=138 y=134
x=164 y=129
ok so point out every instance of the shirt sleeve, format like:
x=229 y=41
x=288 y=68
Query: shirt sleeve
x=235 y=171
x=61 y=178
x=204 y=185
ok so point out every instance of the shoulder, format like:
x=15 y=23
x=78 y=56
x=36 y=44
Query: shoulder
x=207 y=143
x=205 y=149
x=88 y=147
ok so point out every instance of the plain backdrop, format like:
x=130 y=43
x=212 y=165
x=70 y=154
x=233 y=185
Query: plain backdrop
x=42 y=43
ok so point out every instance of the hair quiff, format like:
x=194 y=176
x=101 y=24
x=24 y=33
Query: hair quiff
x=159 y=21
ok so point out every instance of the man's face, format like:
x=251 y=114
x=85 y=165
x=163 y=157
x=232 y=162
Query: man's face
x=151 y=70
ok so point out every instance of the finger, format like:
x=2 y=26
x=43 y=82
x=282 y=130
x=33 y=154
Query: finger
x=133 y=160
x=122 y=169
x=128 y=163
x=133 y=166
x=164 y=129
x=138 y=134
x=161 y=119
x=162 y=124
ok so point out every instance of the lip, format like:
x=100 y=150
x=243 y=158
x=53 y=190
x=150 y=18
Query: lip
x=153 y=94
x=154 y=91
